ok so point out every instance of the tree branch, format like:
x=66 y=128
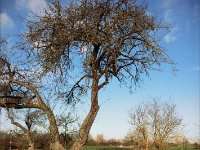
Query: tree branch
x=14 y=122
x=75 y=86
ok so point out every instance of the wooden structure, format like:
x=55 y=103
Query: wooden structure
x=16 y=102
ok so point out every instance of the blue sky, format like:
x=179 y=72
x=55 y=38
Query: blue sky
x=182 y=43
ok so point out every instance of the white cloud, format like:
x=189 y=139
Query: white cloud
x=172 y=35
x=170 y=18
x=169 y=38
x=6 y=22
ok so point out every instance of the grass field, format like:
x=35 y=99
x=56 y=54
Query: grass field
x=103 y=148
x=115 y=148
x=180 y=148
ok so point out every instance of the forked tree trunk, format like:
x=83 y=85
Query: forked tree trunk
x=88 y=121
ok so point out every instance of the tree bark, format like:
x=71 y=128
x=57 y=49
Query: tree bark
x=147 y=145
x=54 y=133
x=31 y=145
x=88 y=121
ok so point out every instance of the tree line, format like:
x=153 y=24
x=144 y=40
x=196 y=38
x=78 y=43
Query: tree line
x=154 y=125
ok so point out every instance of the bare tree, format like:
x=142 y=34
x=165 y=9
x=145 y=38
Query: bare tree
x=99 y=139
x=22 y=89
x=117 y=39
x=68 y=126
x=155 y=122
x=140 y=121
x=31 y=119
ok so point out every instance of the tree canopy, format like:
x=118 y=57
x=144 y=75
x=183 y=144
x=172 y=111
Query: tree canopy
x=119 y=37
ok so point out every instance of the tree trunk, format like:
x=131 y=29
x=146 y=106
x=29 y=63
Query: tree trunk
x=54 y=133
x=147 y=145
x=31 y=145
x=56 y=146
x=88 y=121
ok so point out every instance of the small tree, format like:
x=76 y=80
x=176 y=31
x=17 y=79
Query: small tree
x=31 y=120
x=99 y=139
x=155 y=122
x=129 y=139
x=68 y=128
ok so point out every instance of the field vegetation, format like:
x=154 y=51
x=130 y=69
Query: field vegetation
x=118 y=148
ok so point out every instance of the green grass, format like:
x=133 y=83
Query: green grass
x=180 y=148
x=103 y=148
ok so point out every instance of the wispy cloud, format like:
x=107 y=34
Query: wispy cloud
x=169 y=38
x=167 y=3
x=169 y=17
x=193 y=17
x=6 y=22
x=168 y=7
x=185 y=17
x=21 y=4
x=196 y=68
x=35 y=6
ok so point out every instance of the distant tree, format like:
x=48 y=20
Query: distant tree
x=31 y=120
x=68 y=128
x=115 y=38
x=196 y=145
x=99 y=139
x=90 y=140
x=185 y=143
x=129 y=139
x=113 y=142
x=155 y=122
